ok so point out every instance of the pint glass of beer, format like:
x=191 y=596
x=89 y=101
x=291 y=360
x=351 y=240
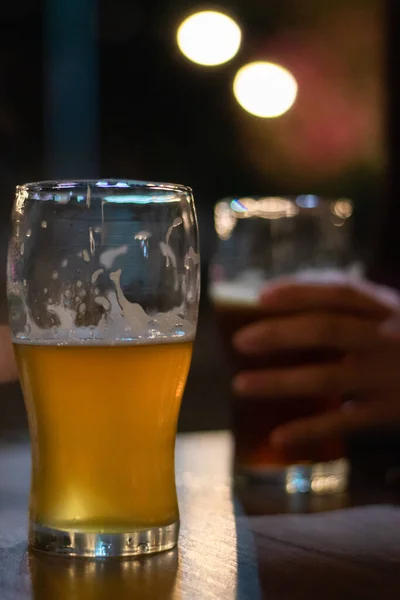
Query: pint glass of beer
x=259 y=241
x=103 y=285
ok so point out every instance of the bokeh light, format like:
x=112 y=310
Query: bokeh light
x=209 y=38
x=307 y=201
x=265 y=89
x=342 y=208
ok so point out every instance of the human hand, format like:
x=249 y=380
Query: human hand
x=360 y=322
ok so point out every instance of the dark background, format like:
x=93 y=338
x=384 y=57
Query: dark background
x=99 y=88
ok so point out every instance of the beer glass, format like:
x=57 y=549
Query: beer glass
x=103 y=286
x=260 y=240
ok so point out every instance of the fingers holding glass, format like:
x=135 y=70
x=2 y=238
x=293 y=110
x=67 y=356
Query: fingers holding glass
x=311 y=331
x=373 y=411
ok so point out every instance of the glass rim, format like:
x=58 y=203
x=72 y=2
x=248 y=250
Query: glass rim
x=269 y=206
x=103 y=183
x=300 y=199
x=231 y=209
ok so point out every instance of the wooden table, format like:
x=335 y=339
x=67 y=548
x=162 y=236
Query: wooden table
x=353 y=552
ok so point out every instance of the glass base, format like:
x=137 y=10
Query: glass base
x=76 y=543
x=317 y=478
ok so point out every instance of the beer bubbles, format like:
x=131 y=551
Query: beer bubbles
x=209 y=38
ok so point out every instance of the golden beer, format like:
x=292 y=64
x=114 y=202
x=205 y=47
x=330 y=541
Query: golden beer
x=103 y=423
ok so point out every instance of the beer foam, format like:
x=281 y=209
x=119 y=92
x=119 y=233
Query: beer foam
x=247 y=287
x=108 y=257
x=235 y=292
x=101 y=343
x=131 y=325
x=246 y=290
x=122 y=321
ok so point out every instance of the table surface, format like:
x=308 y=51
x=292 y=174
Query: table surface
x=345 y=546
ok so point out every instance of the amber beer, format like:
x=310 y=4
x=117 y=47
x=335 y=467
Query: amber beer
x=254 y=419
x=103 y=422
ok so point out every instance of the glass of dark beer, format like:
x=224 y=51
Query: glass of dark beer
x=261 y=239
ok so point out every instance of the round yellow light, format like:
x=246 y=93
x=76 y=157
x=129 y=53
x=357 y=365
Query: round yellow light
x=209 y=38
x=265 y=89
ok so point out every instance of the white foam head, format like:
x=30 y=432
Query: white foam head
x=232 y=292
x=246 y=288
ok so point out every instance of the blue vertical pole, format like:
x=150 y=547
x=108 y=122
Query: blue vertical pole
x=71 y=116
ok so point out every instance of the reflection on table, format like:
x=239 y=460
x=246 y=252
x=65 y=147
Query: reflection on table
x=66 y=579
